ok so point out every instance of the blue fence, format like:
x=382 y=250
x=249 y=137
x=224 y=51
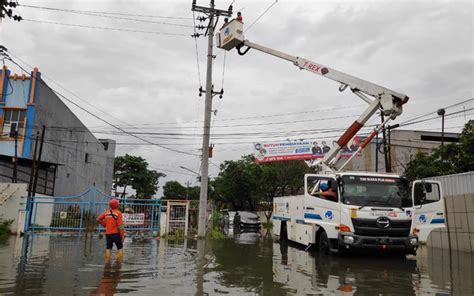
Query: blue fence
x=79 y=213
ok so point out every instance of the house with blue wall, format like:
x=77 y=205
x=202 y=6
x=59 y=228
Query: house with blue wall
x=72 y=158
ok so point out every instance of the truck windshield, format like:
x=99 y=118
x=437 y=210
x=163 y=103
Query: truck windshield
x=375 y=191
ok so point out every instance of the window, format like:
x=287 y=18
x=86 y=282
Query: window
x=324 y=188
x=426 y=193
x=87 y=158
x=13 y=120
x=375 y=191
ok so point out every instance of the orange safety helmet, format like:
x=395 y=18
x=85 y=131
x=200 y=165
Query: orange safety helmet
x=113 y=203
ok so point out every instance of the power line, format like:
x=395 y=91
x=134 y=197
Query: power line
x=105 y=12
x=106 y=28
x=105 y=121
x=72 y=93
x=430 y=113
x=197 y=52
x=433 y=118
x=261 y=15
x=313 y=111
x=185 y=136
x=122 y=130
x=108 y=16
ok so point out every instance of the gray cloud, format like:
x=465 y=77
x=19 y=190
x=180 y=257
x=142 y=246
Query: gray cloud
x=421 y=48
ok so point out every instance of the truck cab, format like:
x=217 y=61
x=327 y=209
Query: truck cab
x=354 y=210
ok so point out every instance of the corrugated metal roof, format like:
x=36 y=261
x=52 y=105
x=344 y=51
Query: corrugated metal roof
x=456 y=184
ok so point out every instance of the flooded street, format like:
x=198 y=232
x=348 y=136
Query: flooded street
x=245 y=264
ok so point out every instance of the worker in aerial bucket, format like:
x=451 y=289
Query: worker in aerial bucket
x=111 y=219
x=239 y=17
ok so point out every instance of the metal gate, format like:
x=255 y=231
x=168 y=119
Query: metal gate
x=177 y=214
x=79 y=213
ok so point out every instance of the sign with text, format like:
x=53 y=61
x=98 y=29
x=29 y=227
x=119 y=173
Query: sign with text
x=133 y=219
x=298 y=150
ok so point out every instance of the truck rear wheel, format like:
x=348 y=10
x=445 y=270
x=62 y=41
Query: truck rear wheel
x=323 y=243
x=283 y=232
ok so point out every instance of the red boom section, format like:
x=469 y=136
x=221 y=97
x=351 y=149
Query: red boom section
x=349 y=134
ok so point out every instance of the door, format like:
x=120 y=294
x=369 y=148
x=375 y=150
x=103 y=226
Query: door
x=321 y=203
x=428 y=207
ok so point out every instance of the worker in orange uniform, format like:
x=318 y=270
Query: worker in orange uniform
x=327 y=192
x=111 y=219
x=239 y=17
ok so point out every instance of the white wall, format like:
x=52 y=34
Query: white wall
x=11 y=202
x=13 y=205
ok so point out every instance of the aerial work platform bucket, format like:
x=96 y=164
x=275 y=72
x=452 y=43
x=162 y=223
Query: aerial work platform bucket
x=230 y=35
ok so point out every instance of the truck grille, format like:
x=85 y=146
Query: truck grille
x=369 y=227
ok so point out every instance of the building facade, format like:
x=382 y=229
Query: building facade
x=403 y=145
x=72 y=158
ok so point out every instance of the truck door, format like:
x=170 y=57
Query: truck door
x=321 y=203
x=428 y=204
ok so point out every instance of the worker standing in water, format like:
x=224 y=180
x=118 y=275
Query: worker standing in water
x=111 y=219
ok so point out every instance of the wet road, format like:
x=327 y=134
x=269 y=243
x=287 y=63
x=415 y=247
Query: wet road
x=245 y=264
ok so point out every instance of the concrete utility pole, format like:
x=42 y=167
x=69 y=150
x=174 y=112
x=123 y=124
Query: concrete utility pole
x=213 y=15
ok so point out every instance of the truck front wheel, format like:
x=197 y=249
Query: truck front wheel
x=323 y=243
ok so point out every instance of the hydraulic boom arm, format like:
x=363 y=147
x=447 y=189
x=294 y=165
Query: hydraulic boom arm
x=388 y=101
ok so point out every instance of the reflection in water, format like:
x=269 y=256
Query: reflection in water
x=351 y=276
x=245 y=263
x=110 y=279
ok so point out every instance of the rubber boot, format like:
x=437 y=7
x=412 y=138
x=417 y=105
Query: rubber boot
x=120 y=255
x=108 y=255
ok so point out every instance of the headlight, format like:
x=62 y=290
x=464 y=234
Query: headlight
x=348 y=239
x=413 y=241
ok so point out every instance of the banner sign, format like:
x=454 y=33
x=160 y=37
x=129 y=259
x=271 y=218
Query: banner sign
x=298 y=150
x=133 y=219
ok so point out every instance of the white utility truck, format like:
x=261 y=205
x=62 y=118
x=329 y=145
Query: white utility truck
x=341 y=211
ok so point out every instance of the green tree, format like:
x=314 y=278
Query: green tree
x=174 y=190
x=244 y=184
x=280 y=179
x=132 y=171
x=450 y=159
x=237 y=184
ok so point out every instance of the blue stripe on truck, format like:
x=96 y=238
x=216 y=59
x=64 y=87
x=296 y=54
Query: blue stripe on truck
x=281 y=218
x=312 y=216
x=437 y=221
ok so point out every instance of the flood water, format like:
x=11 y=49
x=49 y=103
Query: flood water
x=245 y=264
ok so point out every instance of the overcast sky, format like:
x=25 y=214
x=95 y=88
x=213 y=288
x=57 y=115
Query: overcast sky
x=149 y=82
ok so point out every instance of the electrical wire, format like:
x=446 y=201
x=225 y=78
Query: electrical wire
x=105 y=121
x=313 y=111
x=223 y=70
x=430 y=113
x=433 y=118
x=106 y=28
x=47 y=77
x=197 y=52
x=280 y=133
x=260 y=16
x=103 y=12
x=118 y=17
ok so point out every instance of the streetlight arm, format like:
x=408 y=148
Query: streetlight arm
x=189 y=170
